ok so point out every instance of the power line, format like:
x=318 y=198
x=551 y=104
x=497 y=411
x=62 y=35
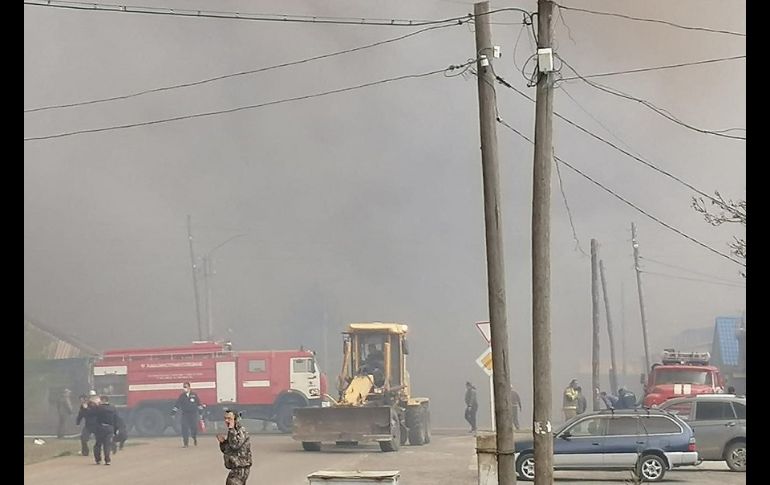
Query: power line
x=657 y=21
x=566 y=205
x=260 y=17
x=253 y=106
x=693 y=279
x=682 y=268
x=631 y=204
x=623 y=151
x=656 y=68
x=241 y=73
x=662 y=112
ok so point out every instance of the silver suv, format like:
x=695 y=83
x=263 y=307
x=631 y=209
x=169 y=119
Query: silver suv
x=719 y=422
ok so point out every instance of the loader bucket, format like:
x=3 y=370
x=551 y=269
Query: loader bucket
x=344 y=423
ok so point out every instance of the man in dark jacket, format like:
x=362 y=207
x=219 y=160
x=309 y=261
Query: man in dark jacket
x=105 y=430
x=471 y=406
x=582 y=402
x=236 y=449
x=189 y=403
x=86 y=414
x=120 y=434
x=515 y=406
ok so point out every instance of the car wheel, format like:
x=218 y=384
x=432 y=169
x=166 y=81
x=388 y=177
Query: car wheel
x=525 y=467
x=651 y=468
x=735 y=456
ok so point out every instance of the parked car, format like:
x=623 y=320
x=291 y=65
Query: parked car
x=719 y=422
x=648 y=441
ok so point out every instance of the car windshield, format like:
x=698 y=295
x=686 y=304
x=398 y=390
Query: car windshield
x=682 y=376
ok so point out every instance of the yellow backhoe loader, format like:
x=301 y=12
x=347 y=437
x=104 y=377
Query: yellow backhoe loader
x=375 y=402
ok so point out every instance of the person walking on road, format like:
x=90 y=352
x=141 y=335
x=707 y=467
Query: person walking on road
x=582 y=402
x=105 y=430
x=569 y=403
x=471 y=406
x=88 y=416
x=190 y=404
x=64 y=411
x=236 y=449
x=516 y=407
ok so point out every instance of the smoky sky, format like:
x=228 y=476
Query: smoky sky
x=367 y=205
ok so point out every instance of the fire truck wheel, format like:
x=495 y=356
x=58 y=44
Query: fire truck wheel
x=285 y=418
x=150 y=421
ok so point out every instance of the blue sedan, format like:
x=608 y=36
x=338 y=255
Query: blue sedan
x=648 y=441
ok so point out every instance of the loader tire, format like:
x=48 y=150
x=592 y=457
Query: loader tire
x=415 y=421
x=395 y=442
x=426 y=426
x=285 y=418
x=311 y=445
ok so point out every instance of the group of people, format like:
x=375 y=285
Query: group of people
x=575 y=403
x=472 y=406
x=101 y=420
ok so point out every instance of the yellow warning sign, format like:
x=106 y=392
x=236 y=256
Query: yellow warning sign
x=485 y=361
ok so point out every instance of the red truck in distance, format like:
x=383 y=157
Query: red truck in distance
x=682 y=374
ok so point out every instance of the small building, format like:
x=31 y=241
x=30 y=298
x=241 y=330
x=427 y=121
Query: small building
x=53 y=361
x=726 y=353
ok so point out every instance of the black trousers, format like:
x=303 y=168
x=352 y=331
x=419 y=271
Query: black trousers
x=85 y=435
x=470 y=416
x=189 y=427
x=103 y=441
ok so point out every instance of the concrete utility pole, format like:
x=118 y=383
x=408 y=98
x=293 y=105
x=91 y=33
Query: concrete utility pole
x=541 y=248
x=614 y=368
x=195 y=278
x=595 y=318
x=635 y=243
x=494 y=245
x=207 y=273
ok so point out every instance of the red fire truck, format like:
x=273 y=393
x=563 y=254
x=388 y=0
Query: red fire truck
x=682 y=374
x=144 y=383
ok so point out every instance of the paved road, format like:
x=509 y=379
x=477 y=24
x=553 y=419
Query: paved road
x=449 y=459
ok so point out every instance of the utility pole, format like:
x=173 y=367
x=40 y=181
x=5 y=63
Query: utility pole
x=207 y=272
x=494 y=245
x=623 y=328
x=195 y=277
x=541 y=248
x=595 y=319
x=614 y=367
x=635 y=243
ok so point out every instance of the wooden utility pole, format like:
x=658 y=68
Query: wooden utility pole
x=494 y=244
x=635 y=244
x=541 y=248
x=623 y=329
x=595 y=318
x=208 y=274
x=195 y=278
x=608 y=315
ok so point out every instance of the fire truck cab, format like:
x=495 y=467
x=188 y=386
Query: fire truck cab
x=267 y=385
x=681 y=374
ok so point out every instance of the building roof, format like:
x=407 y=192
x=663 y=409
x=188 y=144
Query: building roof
x=725 y=346
x=65 y=345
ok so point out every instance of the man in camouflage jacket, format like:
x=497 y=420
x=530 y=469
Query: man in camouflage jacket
x=236 y=448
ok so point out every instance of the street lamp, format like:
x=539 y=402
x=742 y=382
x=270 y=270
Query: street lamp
x=208 y=270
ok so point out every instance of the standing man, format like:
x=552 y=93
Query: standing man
x=64 y=410
x=471 y=406
x=236 y=449
x=516 y=406
x=189 y=403
x=84 y=434
x=569 y=403
x=105 y=430
x=582 y=402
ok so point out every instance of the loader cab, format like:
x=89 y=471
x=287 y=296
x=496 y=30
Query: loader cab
x=376 y=349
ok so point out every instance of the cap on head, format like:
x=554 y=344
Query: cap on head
x=92 y=393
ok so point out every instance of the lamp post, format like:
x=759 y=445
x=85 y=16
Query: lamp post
x=208 y=271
